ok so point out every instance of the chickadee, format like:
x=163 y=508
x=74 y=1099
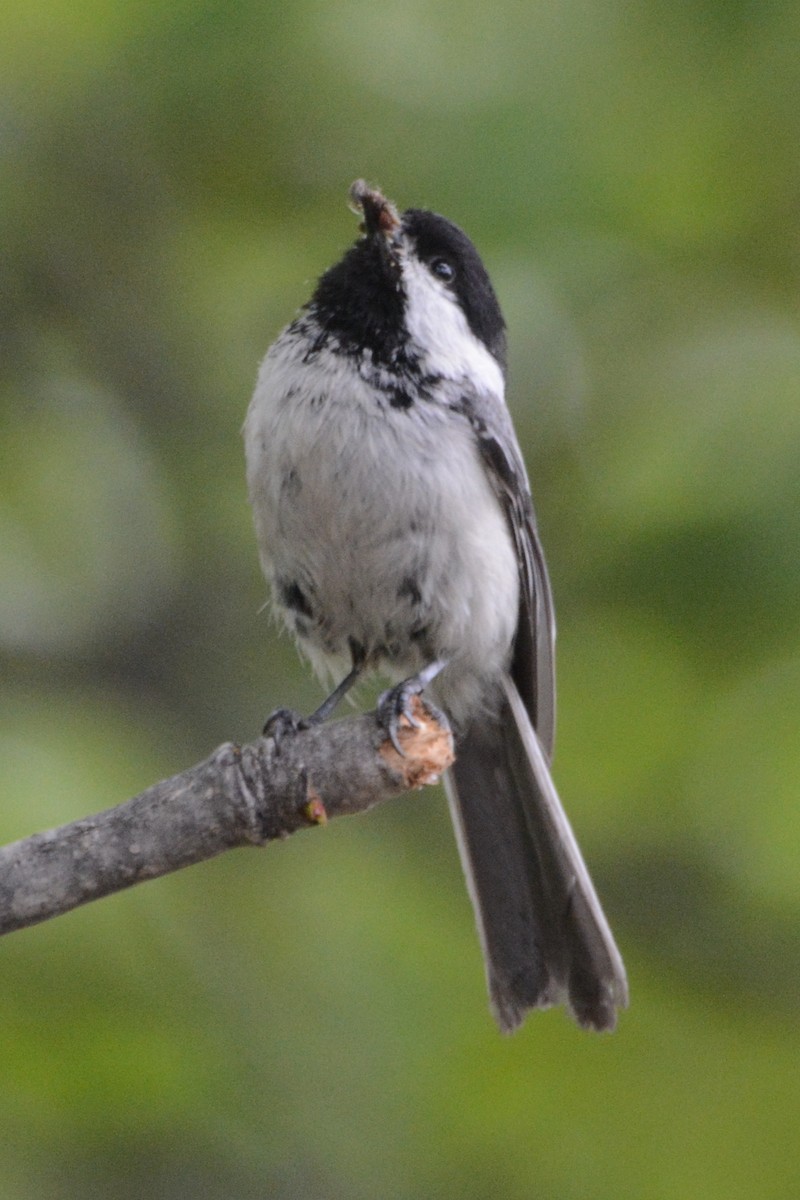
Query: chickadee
x=395 y=526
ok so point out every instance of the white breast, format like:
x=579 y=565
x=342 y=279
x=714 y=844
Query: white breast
x=362 y=505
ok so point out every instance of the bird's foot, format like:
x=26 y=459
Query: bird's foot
x=396 y=705
x=284 y=722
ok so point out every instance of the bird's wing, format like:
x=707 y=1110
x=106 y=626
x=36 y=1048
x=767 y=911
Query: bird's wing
x=533 y=659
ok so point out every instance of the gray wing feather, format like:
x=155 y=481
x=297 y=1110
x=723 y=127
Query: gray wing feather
x=533 y=658
x=544 y=936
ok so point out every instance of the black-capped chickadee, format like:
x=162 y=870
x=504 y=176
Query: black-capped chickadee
x=396 y=528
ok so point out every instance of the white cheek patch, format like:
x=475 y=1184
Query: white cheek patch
x=445 y=342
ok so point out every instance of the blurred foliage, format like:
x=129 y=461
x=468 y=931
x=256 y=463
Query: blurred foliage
x=310 y=1022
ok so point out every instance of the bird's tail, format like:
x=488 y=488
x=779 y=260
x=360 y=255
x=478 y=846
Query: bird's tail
x=544 y=936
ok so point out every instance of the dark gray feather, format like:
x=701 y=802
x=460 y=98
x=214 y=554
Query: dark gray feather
x=544 y=936
x=533 y=658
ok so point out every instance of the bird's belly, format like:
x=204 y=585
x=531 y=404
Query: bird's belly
x=385 y=535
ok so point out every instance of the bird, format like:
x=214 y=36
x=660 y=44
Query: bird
x=396 y=529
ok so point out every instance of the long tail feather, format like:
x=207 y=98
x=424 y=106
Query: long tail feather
x=544 y=935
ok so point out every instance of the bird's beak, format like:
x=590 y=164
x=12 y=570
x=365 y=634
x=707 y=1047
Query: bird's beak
x=380 y=215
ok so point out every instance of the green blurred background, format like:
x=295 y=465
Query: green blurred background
x=310 y=1021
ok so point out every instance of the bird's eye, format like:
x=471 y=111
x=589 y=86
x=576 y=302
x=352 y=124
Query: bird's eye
x=443 y=269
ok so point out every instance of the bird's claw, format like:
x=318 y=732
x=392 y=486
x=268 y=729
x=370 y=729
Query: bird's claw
x=284 y=722
x=395 y=705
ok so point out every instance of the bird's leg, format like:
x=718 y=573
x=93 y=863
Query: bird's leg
x=284 y=721
x=331 y=702
x=396 y=703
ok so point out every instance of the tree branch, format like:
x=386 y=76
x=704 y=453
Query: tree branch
x=239 y=796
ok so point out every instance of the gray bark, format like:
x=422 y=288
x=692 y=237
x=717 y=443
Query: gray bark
x=239 y=796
